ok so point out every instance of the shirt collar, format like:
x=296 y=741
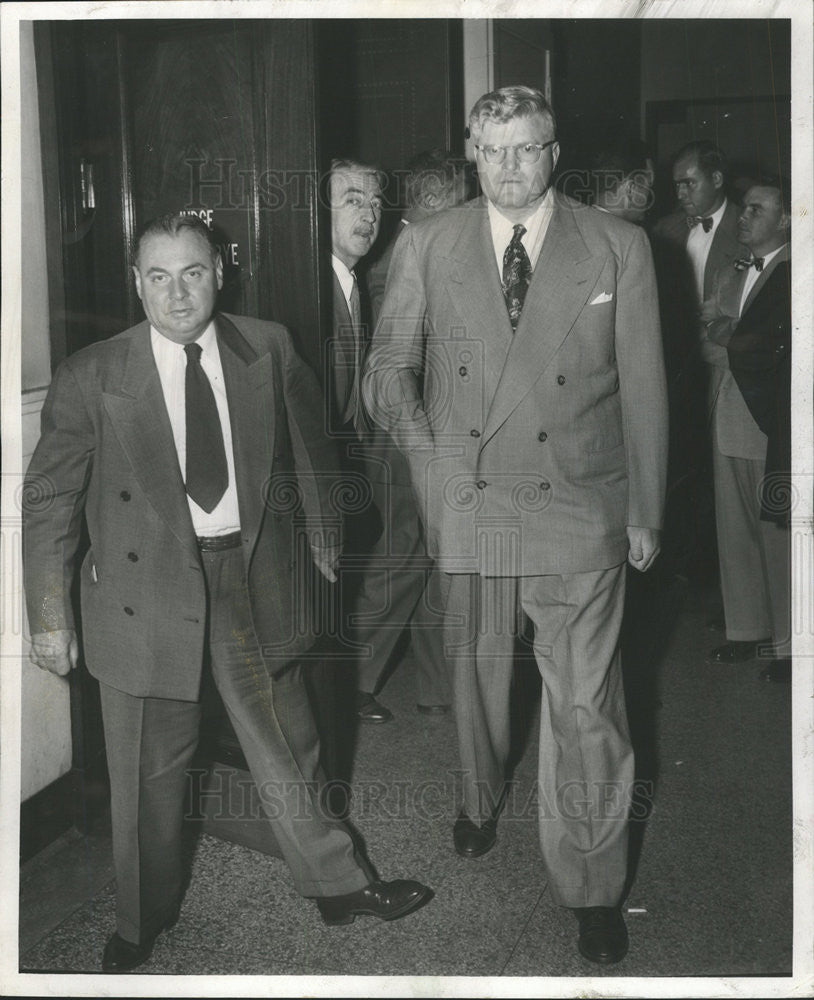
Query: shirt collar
x=207 y=341
x=344 y=275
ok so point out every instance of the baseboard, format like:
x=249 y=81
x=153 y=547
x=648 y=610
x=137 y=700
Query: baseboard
x=74 y=800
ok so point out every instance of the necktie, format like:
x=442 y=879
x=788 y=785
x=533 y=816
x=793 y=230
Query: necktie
x=706 y=222
x=516 y=275
x=744 y=263
x=207 y=475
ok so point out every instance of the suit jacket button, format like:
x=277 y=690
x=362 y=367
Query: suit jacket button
x=463 y=370
x=545 y=486
x=124 y=495
x=474 y=433
x=560 y=380
x=129 y=611
x=132 y=557
x=542 y=436
x=481 y=484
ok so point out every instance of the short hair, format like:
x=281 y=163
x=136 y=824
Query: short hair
x=341 y=165
x=504 y=105
x=707 y=155
x=436 y=169
x=171 y=225
x=616 y=161
x=780 y=184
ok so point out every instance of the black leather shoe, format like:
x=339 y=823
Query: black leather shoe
x=778 y=671
x=471 y=841
x=735 y=652
x=122 y=956
x=369 y=710
x=385 y=900
x=602 y=934
x=433 y=709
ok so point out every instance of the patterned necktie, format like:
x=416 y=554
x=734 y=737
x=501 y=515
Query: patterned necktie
x=207 y=474
x=705 y=221
x=516 y=275
x=744 y=263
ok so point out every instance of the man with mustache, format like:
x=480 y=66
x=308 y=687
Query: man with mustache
x=748 y=339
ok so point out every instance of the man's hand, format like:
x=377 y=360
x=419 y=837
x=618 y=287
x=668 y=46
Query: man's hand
x=645 y=545
x=55 y=651
x=326 y=559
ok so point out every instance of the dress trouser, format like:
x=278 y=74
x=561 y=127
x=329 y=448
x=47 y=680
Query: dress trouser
x=394 y=593
x=754 y=556
x=151 y=741
x=585 y=768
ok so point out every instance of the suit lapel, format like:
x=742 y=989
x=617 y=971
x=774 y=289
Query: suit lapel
x=563 y=277
x=725 y=248
x=764 y=275
x=475 y=289
x=139 y=417
x=250 y=393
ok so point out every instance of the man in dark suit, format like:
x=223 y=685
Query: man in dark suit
x=184 y=442
x=748 y=337
x=689 y=247
x=517 y=363
x=393 y=589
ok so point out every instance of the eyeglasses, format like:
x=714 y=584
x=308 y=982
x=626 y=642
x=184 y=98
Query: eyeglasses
x=529 y=152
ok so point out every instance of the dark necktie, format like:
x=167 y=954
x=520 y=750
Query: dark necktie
x=207 y=474
x=705 y=221
x=516 y=275
x=745 y=263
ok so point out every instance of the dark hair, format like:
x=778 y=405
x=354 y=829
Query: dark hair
x=171 y=225
x=436 y=169
x=616 y=161
x=707 y=155
x=781 y=184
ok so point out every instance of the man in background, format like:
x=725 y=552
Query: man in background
x=747 y=322
x=394 y=591
x=622 y=176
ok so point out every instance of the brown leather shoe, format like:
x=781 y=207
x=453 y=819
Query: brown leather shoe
x=471 y=840
x=385 y=900
x=602 y=934
x=369 y=710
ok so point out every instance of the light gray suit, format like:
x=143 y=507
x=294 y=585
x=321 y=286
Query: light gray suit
x=530 y=454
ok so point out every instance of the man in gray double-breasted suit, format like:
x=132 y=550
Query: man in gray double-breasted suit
x=517 y=363
x=192 y=567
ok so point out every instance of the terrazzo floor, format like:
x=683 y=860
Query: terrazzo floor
x=711 y=893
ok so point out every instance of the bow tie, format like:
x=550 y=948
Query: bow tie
x=745 y=263
x=706 y=221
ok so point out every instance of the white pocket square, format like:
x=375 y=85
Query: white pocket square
x=602 y=297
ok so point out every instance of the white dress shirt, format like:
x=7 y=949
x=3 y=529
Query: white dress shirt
x=536 y=227
x=752 y=275
x=171 y=361
x=346 y=279
x=698 y=244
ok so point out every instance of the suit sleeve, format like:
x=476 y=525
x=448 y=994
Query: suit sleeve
x=54 y=501
x=642 y=384
x=315 y=458
x=394 y=368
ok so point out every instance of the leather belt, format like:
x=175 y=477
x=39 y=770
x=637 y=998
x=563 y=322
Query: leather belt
x=218 y=543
